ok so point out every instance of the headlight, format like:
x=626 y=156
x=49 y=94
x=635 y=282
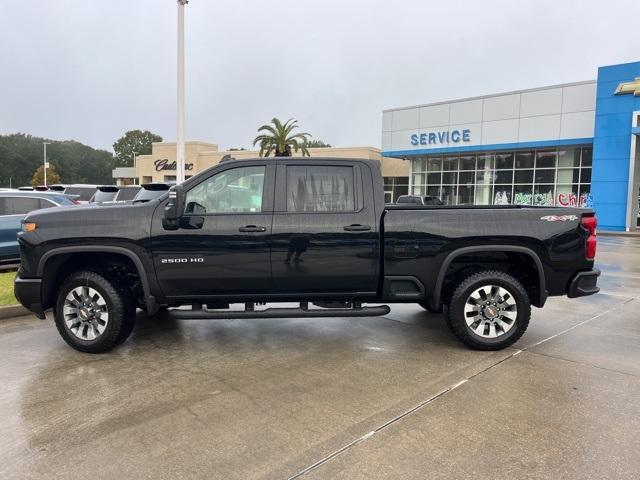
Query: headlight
x=29 y=226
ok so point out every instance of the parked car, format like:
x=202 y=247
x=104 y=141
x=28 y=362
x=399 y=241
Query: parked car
x=82 y=192
x=318 y=233
x=151 y=191
x=104 y=193
x=418 y=200
x=14 y=205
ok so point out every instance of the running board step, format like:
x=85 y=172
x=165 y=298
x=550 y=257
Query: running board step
x=279 y=313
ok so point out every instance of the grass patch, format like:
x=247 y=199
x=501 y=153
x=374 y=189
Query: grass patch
x=6 y=288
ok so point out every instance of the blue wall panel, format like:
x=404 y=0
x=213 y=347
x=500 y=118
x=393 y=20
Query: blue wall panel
x=613 y=192
x=612 y=143
x=608 y=125
x=617 y=171
x=611 y=147
x=622 y=72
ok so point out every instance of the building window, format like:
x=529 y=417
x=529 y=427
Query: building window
x=560 y=176
x=394 y=187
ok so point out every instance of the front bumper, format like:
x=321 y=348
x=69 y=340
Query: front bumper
x=584 y=283
x=28 y=291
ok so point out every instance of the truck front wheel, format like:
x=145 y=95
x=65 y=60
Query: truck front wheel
x=489 y=310
x=92 y=314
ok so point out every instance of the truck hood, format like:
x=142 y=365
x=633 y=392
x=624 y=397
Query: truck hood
x=118 y=220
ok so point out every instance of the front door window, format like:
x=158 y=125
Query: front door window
x=238 y=190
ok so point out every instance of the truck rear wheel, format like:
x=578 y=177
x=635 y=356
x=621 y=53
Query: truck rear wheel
x=92 y=314
x=489 y=310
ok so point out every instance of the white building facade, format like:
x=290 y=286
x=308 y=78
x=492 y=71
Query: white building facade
x=554 y=145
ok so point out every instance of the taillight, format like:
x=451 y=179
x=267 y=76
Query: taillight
x=590 y=223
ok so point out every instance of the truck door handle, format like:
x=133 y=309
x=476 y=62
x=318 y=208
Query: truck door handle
x=356 y=227
x=253 y=228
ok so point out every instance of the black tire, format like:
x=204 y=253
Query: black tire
x=129 y=322
x=116 y=328
x=427 y=307
x=457 y=319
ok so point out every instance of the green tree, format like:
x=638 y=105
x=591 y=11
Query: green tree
x=38 y=176
x=133 y=141
x=21 y=155
x=316 y=144
x=278 y=138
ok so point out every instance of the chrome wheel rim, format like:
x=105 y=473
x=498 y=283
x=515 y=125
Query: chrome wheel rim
x=85 y=313
x=490 y=311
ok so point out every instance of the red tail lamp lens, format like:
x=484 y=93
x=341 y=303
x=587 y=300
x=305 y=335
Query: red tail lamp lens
x=590 y=224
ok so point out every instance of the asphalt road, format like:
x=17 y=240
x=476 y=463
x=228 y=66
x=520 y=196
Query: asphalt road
x=384 y=397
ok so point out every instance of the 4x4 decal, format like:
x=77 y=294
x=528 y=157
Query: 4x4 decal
x=559 y=218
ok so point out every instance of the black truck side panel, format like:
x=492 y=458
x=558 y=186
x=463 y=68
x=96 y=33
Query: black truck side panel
x=92 y=230
x=418 y=241
x=224 y=259
x=332 y=257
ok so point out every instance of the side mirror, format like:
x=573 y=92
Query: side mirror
x=174 y=209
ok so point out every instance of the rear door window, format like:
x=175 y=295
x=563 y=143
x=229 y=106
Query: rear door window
x=20 y=205
x=317 y=188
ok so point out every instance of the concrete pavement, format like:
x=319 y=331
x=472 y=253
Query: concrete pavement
x=385 y=397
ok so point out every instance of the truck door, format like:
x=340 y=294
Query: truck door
x=223 y=245
x=325 y=232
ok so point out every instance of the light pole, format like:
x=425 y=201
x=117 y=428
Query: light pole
x=45 y=163
x=135 y=167
x=180 y=133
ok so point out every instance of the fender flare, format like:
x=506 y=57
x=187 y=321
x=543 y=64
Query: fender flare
x=149 y=299
x=437 y=294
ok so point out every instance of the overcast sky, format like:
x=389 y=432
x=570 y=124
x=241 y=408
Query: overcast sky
x=90 y=70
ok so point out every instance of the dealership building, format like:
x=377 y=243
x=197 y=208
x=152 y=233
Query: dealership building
x=160 y=165
x=573 y=144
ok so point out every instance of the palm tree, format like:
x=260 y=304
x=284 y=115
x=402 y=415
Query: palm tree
x=277 y=138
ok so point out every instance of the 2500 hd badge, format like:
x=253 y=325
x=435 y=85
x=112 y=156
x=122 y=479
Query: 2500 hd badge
x=182 y=260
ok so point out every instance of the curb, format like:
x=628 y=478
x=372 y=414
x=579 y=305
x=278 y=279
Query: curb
x=11 y=311
x=611 y=233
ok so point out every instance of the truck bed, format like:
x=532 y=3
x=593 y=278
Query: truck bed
x=418 y=239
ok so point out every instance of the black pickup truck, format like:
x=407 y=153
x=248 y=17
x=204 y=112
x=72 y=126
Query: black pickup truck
x=312 y=231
